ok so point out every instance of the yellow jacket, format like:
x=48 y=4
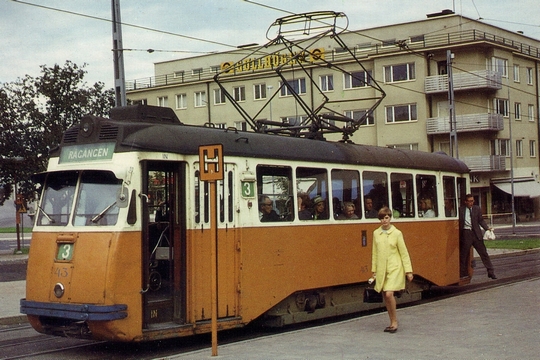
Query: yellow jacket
x=390 y=259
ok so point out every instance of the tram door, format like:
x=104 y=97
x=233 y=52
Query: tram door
x=163 y=243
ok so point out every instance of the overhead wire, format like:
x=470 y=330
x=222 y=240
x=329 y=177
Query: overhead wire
x=399 y=43
x=124 y=23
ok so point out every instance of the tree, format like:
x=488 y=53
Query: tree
x=35 y=112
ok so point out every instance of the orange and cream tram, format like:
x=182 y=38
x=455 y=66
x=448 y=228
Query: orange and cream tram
x=121 y=243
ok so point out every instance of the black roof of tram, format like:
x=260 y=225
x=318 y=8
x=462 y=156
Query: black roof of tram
x=187 y=139
x=151 y=128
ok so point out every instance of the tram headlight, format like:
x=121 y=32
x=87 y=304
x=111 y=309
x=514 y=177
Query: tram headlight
x=59 y=290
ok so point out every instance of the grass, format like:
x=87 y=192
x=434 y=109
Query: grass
x=514 y=244
x=13 y=230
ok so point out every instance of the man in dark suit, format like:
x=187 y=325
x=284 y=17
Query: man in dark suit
x=470 y=220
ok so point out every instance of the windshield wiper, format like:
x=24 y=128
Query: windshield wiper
x=100 y=216
x=51 y=220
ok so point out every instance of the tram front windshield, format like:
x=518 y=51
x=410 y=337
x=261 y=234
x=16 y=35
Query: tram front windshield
x=84 y=198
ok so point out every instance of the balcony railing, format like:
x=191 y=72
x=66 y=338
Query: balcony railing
x=466 y=123
x=424 y=42
x=482 y=79
x=485 y=163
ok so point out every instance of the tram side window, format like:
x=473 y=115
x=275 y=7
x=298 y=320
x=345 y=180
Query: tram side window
x=96 y=202
x=426 y=188
x=274 y=192
x=225 y=193
x=346 y=195
x=461 y=190
x=314 y=183
x=449 y=191
x=402 y=188
x=57 y=202
x=202 y=200
x=375 y=189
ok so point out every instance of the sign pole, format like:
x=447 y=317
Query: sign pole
x=213 y=254
x=211 y=170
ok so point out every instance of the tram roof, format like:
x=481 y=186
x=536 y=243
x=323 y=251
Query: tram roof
x=187 y=139
x=165 y=133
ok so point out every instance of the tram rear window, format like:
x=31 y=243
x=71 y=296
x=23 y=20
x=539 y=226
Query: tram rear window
x=94 y=204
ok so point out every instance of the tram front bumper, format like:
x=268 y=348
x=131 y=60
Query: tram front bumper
x=79 y=312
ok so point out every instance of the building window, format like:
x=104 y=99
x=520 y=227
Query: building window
x=532 y=148
x=293 y=120
x=215 y=68
x=241 y=125
x=357 y=79
x=404 y=146
x=530 y=77
x=401 y=72
x=417 y=38
x=500 y=65
x=364 y=47
x=162 y=101
x=259 y=91
x=517 y=111
x=220 y=125
x=388 y=43
x=531 y=112
x=200 y=98
x=400 y=113
x=519 y=148
x=197 y=72
x=360 y=114
x=326 y=82
x=516 y=73
x=219 y=97
x=181 y=101
x=179 y=75
x=500 y=147
x=239 y=93
x=501 y=107
x=140 y=102
x=297 y=86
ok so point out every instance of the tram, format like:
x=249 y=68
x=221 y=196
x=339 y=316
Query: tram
x=122 y=236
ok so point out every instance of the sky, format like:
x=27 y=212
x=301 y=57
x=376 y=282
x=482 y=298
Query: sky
x=49 y=32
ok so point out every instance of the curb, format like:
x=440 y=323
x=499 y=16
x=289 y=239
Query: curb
x=14 y=320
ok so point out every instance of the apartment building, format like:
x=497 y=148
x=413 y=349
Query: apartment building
x=493 y=100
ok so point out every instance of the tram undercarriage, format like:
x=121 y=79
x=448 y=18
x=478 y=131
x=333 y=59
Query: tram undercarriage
x=309 y=305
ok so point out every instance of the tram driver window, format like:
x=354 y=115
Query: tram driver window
x=314 y=183
x=57 y=202
x=426 y=188
x=274 y=192
x=375 y=189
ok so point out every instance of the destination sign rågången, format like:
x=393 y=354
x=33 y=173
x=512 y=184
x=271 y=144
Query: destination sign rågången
x=90 y=152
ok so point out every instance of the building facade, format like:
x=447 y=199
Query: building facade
x=493 y=102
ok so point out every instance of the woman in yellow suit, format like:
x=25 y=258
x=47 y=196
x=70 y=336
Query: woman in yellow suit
x=390 y=264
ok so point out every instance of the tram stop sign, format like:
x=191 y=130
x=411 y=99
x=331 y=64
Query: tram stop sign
x=211 y=162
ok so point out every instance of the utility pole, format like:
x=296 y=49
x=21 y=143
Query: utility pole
x=118 y=56
x=451 y=106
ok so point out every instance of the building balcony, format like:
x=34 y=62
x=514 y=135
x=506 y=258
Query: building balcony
x=466 y=123
x=474 y=80
x=485 y=163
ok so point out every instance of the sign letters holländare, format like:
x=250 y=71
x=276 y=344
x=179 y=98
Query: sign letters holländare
x=89 y=152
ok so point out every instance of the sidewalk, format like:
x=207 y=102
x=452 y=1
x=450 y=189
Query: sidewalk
x=499 y=323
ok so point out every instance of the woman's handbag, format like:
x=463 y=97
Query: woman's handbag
x=372 y=296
